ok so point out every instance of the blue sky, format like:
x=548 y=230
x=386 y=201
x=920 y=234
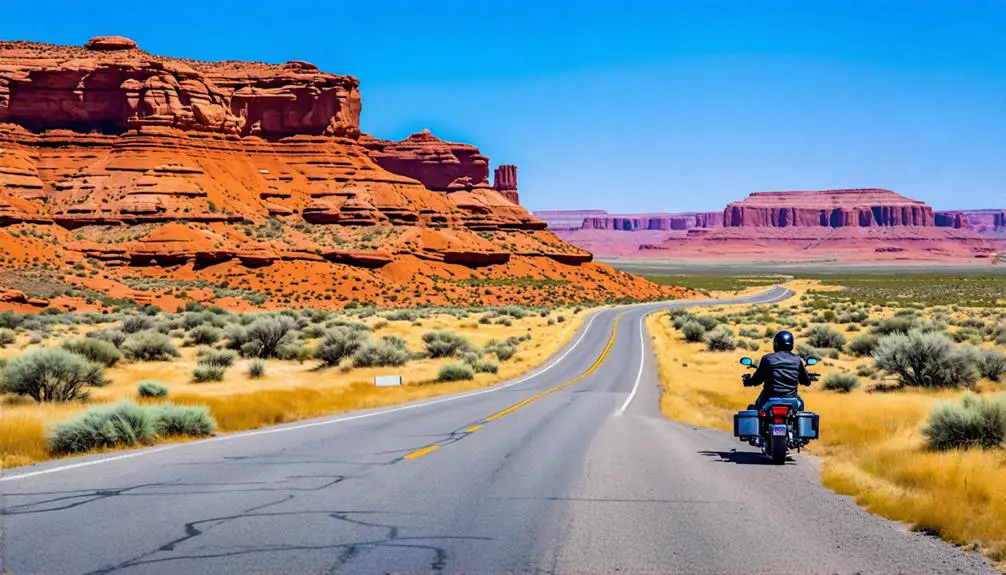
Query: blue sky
x=635 y=106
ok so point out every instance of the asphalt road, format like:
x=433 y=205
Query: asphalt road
x=569 y=470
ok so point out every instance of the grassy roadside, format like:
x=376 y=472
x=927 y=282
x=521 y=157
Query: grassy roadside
x=289 y=389
x=871 y=445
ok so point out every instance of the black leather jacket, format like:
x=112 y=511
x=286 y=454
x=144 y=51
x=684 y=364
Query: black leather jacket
x=782 y=373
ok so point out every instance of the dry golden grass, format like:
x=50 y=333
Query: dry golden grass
x=871 y=444
x=290 y=390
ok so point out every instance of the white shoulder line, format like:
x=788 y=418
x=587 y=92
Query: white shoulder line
x=297 y=427
x=639 y=375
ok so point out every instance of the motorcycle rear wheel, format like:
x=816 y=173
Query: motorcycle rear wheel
x=777 y=450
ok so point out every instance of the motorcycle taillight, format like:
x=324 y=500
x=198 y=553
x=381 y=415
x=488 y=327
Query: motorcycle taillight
x=780 y=410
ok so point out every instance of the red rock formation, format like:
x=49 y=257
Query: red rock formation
x=662 y=222
x=982 y=221
x=220 y=168
x=865 y=208
x=505 y=182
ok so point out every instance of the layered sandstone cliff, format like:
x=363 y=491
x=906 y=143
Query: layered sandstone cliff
x=256 y=173
x=864 y=208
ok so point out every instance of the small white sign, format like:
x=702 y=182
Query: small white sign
x=387 y=380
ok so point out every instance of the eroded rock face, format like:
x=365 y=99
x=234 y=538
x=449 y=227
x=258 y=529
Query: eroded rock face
x=505 y=182
x=864 y=208
x=661 y=222
x=256 y=173
x=982 y=221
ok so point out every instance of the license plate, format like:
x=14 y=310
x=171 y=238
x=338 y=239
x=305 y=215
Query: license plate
x=778 y=430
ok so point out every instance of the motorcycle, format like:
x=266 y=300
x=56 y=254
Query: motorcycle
x=779 y=425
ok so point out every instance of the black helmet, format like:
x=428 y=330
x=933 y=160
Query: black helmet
x=783 y=341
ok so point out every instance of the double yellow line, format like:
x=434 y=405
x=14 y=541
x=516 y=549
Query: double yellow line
x=597 y=363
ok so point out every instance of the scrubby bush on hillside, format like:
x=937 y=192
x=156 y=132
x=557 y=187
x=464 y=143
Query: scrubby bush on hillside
x=992 y=364
x=720 y=339
x=974 y=422
x=825 y=336
x=925 y=359
x=95 y=350
x=807 y=351
x=112 y=336
x=338 y=344
x=136 y=324
x=51 y=375
x=7 y=337
x=216 y=357
x=441 y=343
x=265 y=336
x=708 y=321
x=389 y=352
x=863 y=345
x=693 y=331
x=204 y=373
x=179 y=420
x=149 y=346
x=122 y=424
x=840 y=382
x=256 y=369
x=151 y=389
x=204 y=335
x=503 y=351
x=455 y=372
x=895 y=325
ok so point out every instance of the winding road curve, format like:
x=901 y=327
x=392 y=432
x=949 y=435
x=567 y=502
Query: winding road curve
x=571 y=469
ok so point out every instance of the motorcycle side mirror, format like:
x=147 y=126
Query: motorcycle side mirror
x=747 y=361
x=811 y=361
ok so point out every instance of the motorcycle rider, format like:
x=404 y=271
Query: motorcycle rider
x=781 y=372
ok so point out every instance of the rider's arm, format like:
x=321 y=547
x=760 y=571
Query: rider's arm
x=802 y=375
x=760 y=375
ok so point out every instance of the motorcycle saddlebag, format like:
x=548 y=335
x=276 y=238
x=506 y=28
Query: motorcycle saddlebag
x=746 y=424
x=806 y=425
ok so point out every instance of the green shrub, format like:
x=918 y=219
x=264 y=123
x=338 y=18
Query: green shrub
x=825 y=336
x=992 y=364
x=216 y=357
x=256 y=369
x=693 y=331
x=338 y=344
x=840 y=382
x=151 y=389
x=455 y=372
x=925 y=359
x=178 y=420
x=503 y=351
x=708 y=322
x=11 y=320
x=51 y=375
x=266 y=335
x=206 y=373
x=863 y=345
x=865 y=371
x=112 y=336
x=94 y=350
x=383 y=354
x=806 y=351
x=136 y=324
x=720 y=339
x=149 y=346
x=895 y=325
x=441 y=343
x=480 y=365
x=7 y=337
x=122 y=424
x=204 y=335
x=974 y=422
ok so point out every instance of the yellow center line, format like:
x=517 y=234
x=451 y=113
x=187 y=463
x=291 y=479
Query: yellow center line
x=600 y=360
x=422 y=452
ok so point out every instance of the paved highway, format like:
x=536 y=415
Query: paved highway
x=571 y=469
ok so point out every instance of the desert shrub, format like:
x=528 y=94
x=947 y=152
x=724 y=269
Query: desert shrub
x=503 y=351
x=338 y=344
x=966 y=334
x=863 y=345
x=112 y=336
x=386 y=353
x=151 y=389
x=825 y=336
x=865 y=371
x=122 y=424
x=294 y=350
x=806 y=351
x=480 y=365
x=455 y=372
x=216 y=357
x=94 y=350
x=925 y=359
x=974 y=422
x=149 y=346
x=708 y=322
x=179 y=420
x=7 y=337
x=840 y=382
x=11 y=320
x=754 y=345
x=720 y=339
x=266 y=335
x=743 y=344
x=256 y=369
x=204 y=373
x=992 y=364
x=441 y=343
x=136 y=324
x=401 y=315
x=204 y=335
x=902 y=324
x=51 y=375
x=693 y=331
